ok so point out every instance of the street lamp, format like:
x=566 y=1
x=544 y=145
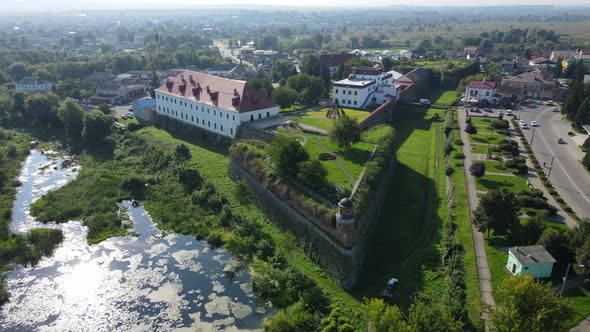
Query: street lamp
x=565 y=277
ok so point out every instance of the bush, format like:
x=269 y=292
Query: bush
x=470 y=129
x=459 y=142
x=459 y=155
x=11 y=150
x=552 y=192
x=214 y=239
x=500 y=124
x=449 y=171
x=326 y=156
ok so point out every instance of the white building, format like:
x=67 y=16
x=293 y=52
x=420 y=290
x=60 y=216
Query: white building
x=33 y=84
x=365 y=86
x=481 y=92
x=215 y=104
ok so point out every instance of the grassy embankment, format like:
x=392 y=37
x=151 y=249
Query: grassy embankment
x=21 y=249
x=404 y=243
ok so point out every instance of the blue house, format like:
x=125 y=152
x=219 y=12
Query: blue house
x=144 y=109
x=532 y=260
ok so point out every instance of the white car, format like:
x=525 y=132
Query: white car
x=534 y=123
x=524 y=126
x=509 y=112
x=560 y=140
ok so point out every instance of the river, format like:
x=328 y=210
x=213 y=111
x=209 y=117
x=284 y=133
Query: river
x=149 y=281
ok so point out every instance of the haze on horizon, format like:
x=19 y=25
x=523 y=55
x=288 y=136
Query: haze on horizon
x=68 y=5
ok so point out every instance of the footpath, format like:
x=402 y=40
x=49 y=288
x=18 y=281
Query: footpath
x=483 y=269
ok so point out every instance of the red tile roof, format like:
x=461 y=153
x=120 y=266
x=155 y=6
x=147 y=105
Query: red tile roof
x=221 y=92
x=482 y=85
x=333 y=60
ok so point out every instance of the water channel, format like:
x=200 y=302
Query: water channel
x=153 y=281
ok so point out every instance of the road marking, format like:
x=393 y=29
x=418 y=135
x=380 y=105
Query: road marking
x=564 y=171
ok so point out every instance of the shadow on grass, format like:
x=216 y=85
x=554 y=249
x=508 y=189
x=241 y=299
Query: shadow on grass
x=355 y=155
x=404 y=228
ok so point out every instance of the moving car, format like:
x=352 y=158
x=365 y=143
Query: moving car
x=509 y=112
x=560 y=140
x=524 y=126
x=550 y=103
x=424 y=101
x=387 y=293
x=533 y=123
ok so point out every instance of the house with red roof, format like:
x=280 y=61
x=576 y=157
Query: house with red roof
x=481 y=92
x=216 y=104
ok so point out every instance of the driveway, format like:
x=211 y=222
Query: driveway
x=568 y=176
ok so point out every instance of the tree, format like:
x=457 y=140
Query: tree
x=105 y=109
x=285 y=97
x=558 y=245
x=311 y=65
x=558 y=70
x=18 y=105
x=355 y=62
x=17 y=70
x=470 y=129
x=583 y=259
x=497 y=211
x=312 y=173
x=41 y=110
x=96 y=127
x=582 y=116
x=493 y=71
x=384 y=317
x=286 y=154
x=281 y=69
x=586 y=160
x=263 y=85
x=71 y=116
x=309 y=88
x=387 y=63
x=527 y=305
x=182 y=154
x=477 y=169
x=154 y=84
x=345 y=132
x=340 y=72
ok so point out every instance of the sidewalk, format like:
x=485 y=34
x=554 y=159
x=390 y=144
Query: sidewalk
x=483 y=269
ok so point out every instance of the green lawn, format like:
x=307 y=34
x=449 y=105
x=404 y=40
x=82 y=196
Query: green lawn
x=405 y=232
x=486 y=138
x=372 y=135
x=447 y=98
x=483 y=149
x=496 y=166
x=318 y=118
x=293 y=108
x=490 y=182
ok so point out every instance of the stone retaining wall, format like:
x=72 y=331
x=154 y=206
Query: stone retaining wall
x=344 y=265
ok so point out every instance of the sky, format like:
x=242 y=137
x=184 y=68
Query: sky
x=60 y=5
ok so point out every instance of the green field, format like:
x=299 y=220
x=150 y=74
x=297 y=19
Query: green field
x=442 y=97
x=491 y=182
x=404 y=243
x=318 y=119
x=483 y=149
x=496 y=167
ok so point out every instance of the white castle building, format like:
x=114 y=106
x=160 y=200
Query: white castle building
x=366 y=86
x=216 y=104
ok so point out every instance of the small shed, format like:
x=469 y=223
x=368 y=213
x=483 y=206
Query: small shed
x=532 y=260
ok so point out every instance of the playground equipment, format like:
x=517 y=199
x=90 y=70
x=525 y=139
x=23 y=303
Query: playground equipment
x=335 y=113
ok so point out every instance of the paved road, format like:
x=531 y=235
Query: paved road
x=227 y=52
x=568 y=176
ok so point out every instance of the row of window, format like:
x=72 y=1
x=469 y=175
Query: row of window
x=344 y=101
x=475 y=92
x=344 y=92
x=186 y=116
x=192 y=106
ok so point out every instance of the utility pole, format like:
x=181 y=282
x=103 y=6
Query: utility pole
x=533 y=138
x=550 y=166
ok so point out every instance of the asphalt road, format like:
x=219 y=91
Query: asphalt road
x=226 y=52
x=568 y=176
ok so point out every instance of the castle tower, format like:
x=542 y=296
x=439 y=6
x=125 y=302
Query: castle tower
x=345 y=223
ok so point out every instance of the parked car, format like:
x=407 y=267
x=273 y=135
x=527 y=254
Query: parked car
x=555 y=110
x=509 y=112
x=424 y=101
x=534 y=123
x=130 y=116
x=387 y=293
x=550 y=103
x=560 y=140
x=124 y=117
x=476 y=110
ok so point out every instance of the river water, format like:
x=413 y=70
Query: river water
x=154 y=281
